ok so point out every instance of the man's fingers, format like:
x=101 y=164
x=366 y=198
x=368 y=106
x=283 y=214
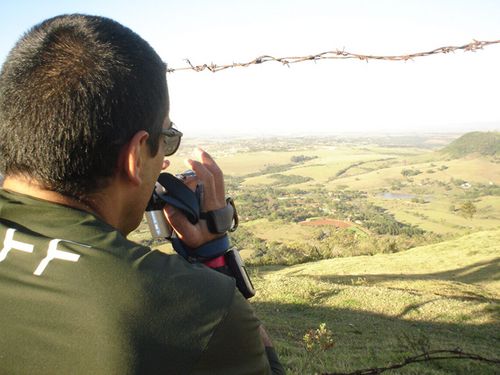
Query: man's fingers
x=210 y=176
x=209 y=163
x=211 y=199
x=201 y=171
x=178 y=221
x=172 y=215
x=192 y=235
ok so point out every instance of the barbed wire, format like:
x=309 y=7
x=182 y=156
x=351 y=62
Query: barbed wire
x=426 y=356
x=335 y=55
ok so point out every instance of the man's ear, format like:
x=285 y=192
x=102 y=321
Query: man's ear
x=132 y=158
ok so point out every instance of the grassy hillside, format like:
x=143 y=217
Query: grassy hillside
x=329 y=164
x=386 y=307
x=483 y=143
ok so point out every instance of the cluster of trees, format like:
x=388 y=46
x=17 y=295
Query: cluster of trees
x=376 y=219
x=276 y=204
x=271 y=168
x=297 y=159
x=328 y=243
x=289 y=179
x=298 y=205
x=478 y=190
x=278 y=168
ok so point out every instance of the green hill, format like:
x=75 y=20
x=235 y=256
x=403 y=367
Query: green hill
x=483 y=143
x=384 y=308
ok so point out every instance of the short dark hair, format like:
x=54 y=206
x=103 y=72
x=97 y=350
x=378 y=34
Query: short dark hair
x=73 y=91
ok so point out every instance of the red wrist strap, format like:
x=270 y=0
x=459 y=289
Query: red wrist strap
x=216 y=262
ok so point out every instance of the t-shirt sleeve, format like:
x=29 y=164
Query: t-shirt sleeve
x=236 y=346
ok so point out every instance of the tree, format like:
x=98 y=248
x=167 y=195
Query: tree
x=468 y=209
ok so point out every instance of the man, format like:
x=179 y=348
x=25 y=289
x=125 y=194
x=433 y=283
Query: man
x=84 y=128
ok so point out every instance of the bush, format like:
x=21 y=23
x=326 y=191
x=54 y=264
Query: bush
x=468 y=209
x=410 y=172
x=319 y=339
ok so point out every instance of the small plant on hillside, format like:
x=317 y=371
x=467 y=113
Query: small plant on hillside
x=468 y=210
x=392 y=247
x=457 y=181
x=319 y=339
x=418 y=200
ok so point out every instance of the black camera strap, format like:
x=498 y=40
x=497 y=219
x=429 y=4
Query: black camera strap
x=178 y=195
x=174 y=192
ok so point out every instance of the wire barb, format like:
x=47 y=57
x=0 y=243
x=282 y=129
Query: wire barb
x=335 y=55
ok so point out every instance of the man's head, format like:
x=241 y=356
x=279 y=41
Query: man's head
x=73 y=92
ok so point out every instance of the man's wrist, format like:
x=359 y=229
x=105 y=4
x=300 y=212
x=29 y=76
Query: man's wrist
x=209 y=250
x=222 y=220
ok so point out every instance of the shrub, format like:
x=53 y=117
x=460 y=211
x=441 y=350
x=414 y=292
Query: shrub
x=468 y=209
x=319 y=339
x=410 y=172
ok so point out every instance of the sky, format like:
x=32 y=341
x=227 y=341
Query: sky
x=456 y=92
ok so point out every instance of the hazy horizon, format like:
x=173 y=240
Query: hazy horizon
x=458 y=131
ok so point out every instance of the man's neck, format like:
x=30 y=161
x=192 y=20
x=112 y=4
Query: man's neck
x=111 y=204
x=32 y=188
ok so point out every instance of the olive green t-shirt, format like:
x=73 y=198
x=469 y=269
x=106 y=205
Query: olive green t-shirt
x=76 y=297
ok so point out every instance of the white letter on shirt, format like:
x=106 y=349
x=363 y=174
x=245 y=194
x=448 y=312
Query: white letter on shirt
x=54 y=253
x=10 y=243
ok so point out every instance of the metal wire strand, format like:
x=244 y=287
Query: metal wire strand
x=334 y=55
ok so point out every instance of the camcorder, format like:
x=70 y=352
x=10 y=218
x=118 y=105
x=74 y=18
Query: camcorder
x=158 y=224
x=171 y=189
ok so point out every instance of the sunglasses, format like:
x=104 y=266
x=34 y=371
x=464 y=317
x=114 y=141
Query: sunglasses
x=172 y=139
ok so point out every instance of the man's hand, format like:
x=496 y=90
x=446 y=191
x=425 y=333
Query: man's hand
x=209 y=175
